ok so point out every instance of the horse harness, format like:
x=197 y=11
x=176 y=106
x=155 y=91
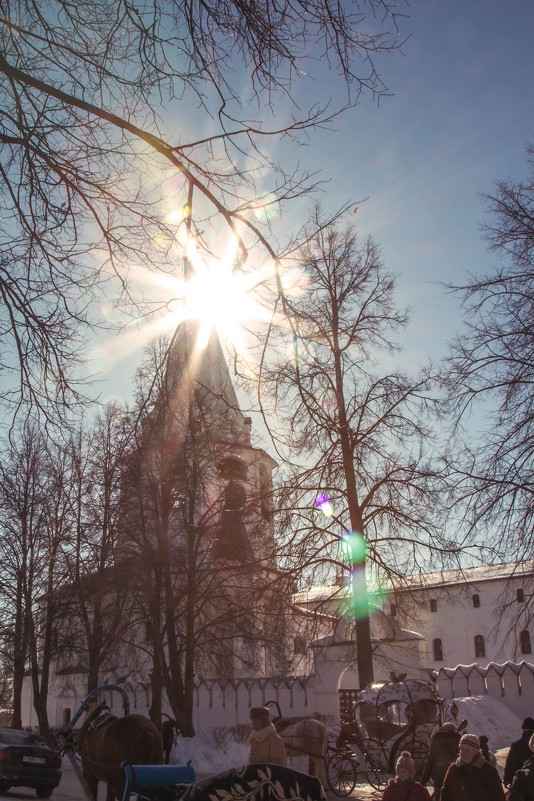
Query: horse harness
x=99 y=718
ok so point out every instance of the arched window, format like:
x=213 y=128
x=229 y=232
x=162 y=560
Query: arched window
x=480 y=646
x=476 y=601
x=437 y=646
x=524 y=639
x=235 y=497
x=231 y=542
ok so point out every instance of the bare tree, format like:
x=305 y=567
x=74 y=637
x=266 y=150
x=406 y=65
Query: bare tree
x=27 y=570
x=86 y=160
x=94 y=598
x=355 y=419
x=489 y=376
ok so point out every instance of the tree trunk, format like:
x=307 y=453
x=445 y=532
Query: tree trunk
x=358 y=583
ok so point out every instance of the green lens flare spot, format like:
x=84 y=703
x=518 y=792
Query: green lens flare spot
x=355 y=547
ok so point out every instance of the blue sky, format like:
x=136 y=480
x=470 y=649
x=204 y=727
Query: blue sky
x=460 y=115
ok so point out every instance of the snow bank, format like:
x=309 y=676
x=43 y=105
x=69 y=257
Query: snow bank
x=487 y=715
x=204 y=755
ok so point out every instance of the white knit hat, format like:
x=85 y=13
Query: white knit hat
x=405 y=761
x=471 y=740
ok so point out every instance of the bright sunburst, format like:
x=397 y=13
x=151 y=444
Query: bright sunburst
x=217 y=295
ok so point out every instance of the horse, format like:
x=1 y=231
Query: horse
x=106 y=741
x=304 y=735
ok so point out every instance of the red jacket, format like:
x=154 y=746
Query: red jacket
x=405 y=791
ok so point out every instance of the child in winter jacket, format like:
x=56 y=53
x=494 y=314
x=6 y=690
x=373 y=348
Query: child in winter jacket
x=404 y=787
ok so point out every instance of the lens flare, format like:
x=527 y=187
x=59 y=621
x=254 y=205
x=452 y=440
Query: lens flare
x=355 y=547
x=322 y=502
x=359 y=599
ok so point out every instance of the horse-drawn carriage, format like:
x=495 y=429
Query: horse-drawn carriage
x=126 y=754
x=389 y=718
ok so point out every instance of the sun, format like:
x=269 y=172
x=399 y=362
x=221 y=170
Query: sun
x=218 y=295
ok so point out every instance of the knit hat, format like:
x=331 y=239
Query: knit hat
x=531 y=743
x=471 y=740
x=448 y=726
x=528 y=724
x=405 y=761
x=261 y=712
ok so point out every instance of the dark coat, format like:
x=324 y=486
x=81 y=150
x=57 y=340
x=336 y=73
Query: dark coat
x=522 y=786
x=478 y=781
x=442 y=753
x=405 y=791
x=517 y=755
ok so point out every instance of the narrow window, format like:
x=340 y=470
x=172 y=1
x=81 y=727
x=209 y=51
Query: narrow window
x=437 y=646
x=480 y=646
x=433 y=605
x=393 y=610
x=524 y=639
x=520 y=595
x=299 y=646
x=476 y=601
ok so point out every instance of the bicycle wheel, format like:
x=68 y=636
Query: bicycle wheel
x=341 y=773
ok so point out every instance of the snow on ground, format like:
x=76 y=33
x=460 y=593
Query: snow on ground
x=205 y=756
x=487 y=715
x=484 y=713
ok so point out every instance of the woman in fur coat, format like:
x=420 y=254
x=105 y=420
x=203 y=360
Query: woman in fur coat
x=471 y=778
x=265 y=744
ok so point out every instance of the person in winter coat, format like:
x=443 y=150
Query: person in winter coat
x=443 y=751
x=522 y=786
x=168 y=733
x=265 y=744
x=471 y=778
x=488 y=755
x=404 y=787
x=519 y=751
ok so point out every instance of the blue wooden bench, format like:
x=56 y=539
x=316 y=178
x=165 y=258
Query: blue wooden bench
x=138 y=776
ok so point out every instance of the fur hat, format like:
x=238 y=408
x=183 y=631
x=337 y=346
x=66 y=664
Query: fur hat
x=261 y=712
x=528 y=724
x=471 y=740
x=405 y=761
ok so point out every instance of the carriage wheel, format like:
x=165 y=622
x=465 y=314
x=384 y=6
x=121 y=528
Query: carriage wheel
x=341 y=773
x=376 y=779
